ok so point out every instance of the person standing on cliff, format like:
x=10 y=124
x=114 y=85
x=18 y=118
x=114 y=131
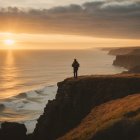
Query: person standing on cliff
x=75 y=66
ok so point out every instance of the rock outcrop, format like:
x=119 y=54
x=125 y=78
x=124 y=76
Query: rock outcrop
x=127 y=61
x=128 y=58
x=13 y=131
x=77 y=97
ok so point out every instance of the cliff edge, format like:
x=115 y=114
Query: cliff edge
x=98 y=107
x=77 y=97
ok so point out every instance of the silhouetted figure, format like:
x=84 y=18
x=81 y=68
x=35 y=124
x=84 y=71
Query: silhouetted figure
x=75 y=66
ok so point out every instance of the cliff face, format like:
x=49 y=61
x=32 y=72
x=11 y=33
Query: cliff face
x=77 y=97
x=115 y=120
x=127 y=61
x=91 y=97
x=13 y=131
x=128 y=58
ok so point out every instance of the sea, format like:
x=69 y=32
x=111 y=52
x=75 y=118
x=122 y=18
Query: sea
x=28 y=78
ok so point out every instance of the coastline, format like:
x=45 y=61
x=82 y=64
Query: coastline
x=28 y=105
x=22 y=103
x=65 y=110
x=75 y=99
x=127 y=58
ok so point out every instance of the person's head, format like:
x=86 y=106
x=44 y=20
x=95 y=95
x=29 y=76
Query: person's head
x=75 y=59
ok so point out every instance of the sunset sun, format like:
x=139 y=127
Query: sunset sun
x=9 y=42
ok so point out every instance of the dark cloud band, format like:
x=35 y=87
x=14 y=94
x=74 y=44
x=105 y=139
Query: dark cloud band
x=112 y=18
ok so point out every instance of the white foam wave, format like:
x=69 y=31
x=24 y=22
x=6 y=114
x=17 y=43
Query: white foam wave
x=27 y=107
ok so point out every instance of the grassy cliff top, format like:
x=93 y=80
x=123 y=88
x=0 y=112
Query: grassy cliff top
x=117 y=119
x=112 y=76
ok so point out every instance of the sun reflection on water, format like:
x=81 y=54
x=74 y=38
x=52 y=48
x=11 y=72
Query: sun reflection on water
x=9 y=74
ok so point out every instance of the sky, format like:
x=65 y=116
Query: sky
x=70 y=24
x=39 y=3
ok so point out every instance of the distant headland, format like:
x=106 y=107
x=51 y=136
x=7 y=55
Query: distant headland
x=128 y=58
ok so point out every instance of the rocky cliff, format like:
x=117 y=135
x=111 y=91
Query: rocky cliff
x=77 y=97
x=13 y=131
x=115 y=120
x=127 y=61
x=128 y=58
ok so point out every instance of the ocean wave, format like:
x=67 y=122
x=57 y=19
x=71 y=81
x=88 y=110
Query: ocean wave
x=28 y=105
x=21 y=95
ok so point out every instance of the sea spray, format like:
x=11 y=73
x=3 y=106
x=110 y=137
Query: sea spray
x=26 y=107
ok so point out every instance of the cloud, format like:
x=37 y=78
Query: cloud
x=38 y=3
x=104 y=18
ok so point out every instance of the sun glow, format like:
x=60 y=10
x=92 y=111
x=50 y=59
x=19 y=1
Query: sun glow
x=9 y=42
x=19 y=41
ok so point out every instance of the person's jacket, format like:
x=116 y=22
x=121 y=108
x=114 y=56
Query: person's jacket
x=75 y=65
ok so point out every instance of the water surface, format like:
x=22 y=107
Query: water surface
x=22 y=70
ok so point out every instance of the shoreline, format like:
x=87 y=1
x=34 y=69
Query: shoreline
x=30 y=123
x=75 y=99
x=23 y=105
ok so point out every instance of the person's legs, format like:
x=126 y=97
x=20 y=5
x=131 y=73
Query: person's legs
x=76 y=74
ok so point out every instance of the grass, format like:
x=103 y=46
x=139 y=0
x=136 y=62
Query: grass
x=110 y=121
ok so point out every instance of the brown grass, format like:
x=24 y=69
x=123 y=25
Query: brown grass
x=105 y=116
